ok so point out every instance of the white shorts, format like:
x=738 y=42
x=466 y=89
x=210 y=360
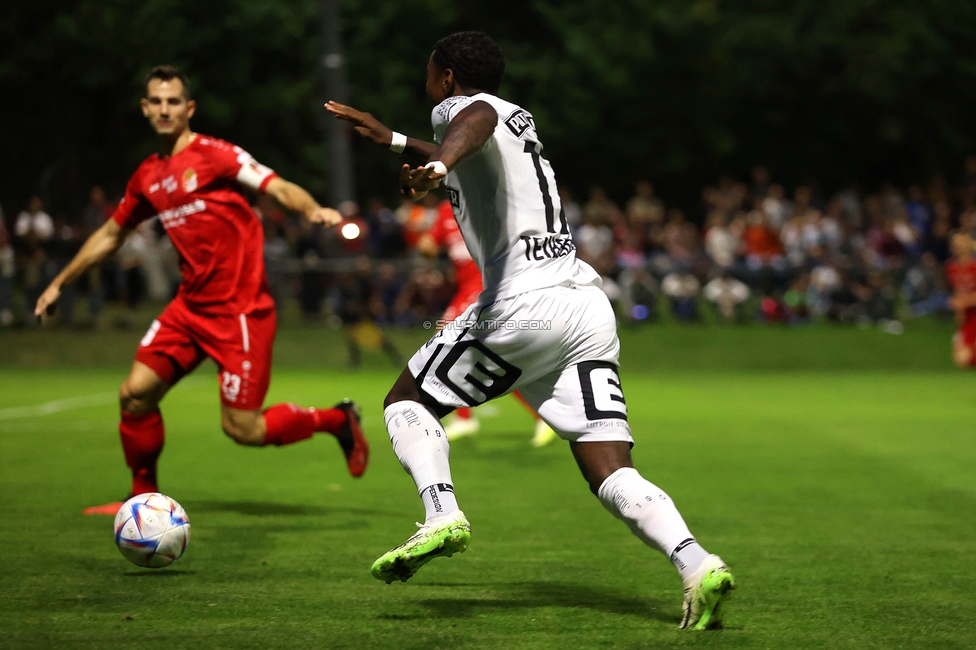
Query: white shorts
x=558 y=346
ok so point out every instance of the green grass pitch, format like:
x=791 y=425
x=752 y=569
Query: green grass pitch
x=833 y=469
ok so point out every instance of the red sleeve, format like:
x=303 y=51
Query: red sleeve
x=134 y=208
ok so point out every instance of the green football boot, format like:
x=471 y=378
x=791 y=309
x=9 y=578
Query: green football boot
x=705 y=592
x=443 y=536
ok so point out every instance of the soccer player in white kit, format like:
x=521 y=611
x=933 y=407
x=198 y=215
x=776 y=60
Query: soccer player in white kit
x=542 y=326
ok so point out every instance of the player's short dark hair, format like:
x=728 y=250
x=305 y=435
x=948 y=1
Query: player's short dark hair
x=474 y=58
x=168 y=73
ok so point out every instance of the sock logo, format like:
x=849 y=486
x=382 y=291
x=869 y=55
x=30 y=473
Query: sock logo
x=677 y=549
x=411 y=417
x=445 y=487
x=432 y=493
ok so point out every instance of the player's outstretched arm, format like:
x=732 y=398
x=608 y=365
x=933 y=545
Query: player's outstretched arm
x=376 y=132
x=466 y=134
x=102 y=243
x=297 y=199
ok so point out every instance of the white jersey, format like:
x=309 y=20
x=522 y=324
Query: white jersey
x=505 y=201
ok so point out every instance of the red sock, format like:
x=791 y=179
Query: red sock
x=331 y=420
x=464 y=412
x=288 y=423
x=517 y=395
x=142 y=441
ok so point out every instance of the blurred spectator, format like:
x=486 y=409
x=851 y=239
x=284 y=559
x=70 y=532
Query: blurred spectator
x=571 y=209
x=424 y=296
x=384 y=231
x=919 y=212
x=132 y=281
x=275 y=259
x=417 y=218
x=353 y=302
x=681 y=288
x=62 y=248
x=941 y=227
x=824 y=281
x=728 y=295
x=311 y=279
x=33 y=231
x=776 y=207
x=795 y=300
x=761 y=245
x=387 y=285
x=644 y=207
x=93 y=217
x=925 y=289
x=7 y=270
x=722 y=244
x=599 y=210
x=594 y=240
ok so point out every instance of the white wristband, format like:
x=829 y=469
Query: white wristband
x=438 y=167
x=398 y=143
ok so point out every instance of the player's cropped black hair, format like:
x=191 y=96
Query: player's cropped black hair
x=168 y=73
x=475 y=60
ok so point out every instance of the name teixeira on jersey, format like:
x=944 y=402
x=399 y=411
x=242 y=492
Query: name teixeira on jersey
x=547 y=248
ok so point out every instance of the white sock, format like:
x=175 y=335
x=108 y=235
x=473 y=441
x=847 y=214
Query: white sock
x=652 y=516
x=421 y=445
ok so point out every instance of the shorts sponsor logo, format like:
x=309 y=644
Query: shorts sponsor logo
x=177 y=216
x=189 y=180
x=519 y=122
x=603 y=396
x=474 y=373
x=230 y=386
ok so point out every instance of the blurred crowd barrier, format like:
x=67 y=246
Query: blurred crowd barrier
x=750 y=251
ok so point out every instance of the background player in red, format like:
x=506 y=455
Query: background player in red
x=961 y=270
x=223 y=309
x=446 y=234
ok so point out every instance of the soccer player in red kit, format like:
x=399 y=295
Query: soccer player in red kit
x=223 y=309
x=446 y=234
x=961 y=270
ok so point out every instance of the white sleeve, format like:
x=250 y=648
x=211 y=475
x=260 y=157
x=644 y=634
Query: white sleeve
x=253 y=174
x=446 y=111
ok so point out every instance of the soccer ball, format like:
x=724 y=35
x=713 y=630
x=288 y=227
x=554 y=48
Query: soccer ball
x=152 y=530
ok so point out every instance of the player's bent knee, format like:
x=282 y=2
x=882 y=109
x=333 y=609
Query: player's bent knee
x=242 y=428
x=135 y=401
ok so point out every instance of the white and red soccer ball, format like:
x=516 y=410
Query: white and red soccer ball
x=152 y=530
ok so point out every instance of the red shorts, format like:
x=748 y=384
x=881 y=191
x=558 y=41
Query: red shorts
x=240 y=344
x=464 y=297
x=966 y=336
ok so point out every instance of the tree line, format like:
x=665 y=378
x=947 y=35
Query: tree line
x=671 y=90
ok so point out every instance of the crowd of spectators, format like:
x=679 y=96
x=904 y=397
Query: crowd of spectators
x=762 y=253
x=749 y=251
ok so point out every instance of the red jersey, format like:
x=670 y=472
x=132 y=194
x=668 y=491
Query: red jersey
x=198 y=195
x=962 y=276
x=446 y=233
